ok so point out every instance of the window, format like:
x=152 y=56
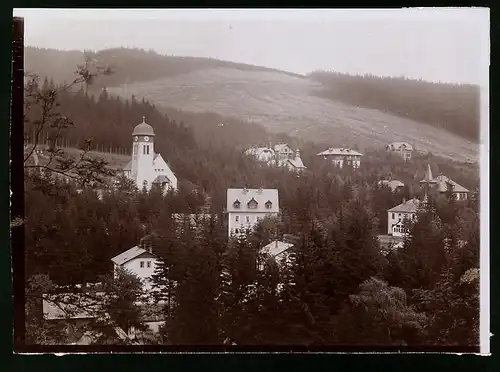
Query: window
x=237 y=218
x=237 y=231
x=252 y=204
x=149 y=263
x=135 y=149
x=394 y=215
x=248 y=219
x=237 y=204
x=142 y=264
x=269 y=204
x=399 y=214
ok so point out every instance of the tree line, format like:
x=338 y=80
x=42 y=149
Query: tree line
x=338 y=288
x=453 y=107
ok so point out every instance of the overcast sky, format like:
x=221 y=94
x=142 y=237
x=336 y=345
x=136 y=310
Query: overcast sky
x=450 y=45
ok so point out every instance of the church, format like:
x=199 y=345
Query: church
x=147 y=168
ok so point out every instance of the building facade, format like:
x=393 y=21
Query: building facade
x=246 y=207
x=398 y=215
x=138 y=261
x=443 y=185
x=342 y=157
x=147 y=168
x=403 y=149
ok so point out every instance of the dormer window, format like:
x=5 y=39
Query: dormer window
x=237 y=204
x=252 y=204
x=269 y=204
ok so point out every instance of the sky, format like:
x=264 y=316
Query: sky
x=434 y=44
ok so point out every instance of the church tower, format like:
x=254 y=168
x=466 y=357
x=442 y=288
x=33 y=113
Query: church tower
x=142 y=154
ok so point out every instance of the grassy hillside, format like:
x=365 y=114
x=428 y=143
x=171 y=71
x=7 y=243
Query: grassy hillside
x=449 y=106
x=284 y=103
x=279 y=101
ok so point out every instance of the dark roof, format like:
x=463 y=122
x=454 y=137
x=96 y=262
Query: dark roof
x=143 y=129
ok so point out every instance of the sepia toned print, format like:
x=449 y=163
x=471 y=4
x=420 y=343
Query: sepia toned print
x=198 y=186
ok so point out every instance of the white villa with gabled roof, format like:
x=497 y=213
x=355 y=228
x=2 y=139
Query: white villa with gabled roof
x=148 y=168
x=396 y=216
x=403 y=149
x=246 y=207
x=342 y=156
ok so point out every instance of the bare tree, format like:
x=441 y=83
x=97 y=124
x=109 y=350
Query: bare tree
x=41 y=103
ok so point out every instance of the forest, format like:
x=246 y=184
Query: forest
x=338 y=289
x=452 y=107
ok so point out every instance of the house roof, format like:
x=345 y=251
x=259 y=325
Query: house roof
x=410 y=206
x=128 y=255
x=261 y=153
x=444 y=181
x=161 y=179
x=297 y=163
x=398 y=145
x=428 y=176
x=74 y=306
x=261 y=196
x=276 y=248
x=393 y=184
x=339 y=151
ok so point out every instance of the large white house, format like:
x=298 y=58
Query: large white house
x=403 y=149
x=147 y=168
x=245 y=207
x=139 y=261
x=396 y=216
x=342 y=156
x=444 y=184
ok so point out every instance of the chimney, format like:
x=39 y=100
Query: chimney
x=404 y=200
x=245 y=190
x=259 y=191
x=297 y=154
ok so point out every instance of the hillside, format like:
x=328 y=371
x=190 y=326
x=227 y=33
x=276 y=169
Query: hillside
x=283 y=103
x=279 y=101
x=449 y=106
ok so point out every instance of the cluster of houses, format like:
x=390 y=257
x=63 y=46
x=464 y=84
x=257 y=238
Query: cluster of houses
x=280 y=155
x=246 y=207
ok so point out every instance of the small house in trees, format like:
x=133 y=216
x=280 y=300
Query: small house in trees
x=148 y=168
x=403 y=149
x=293 y=163
x=394 y=185
x=342 y=157
x=398 y=215
x=278 y=250
x=139 y=261
x=246 y=207
x=444 y=185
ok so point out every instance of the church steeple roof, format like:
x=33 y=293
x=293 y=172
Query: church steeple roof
x=143 y=129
